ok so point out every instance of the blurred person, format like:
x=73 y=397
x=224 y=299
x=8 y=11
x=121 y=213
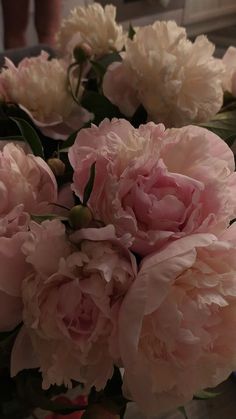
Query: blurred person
x=47 y=16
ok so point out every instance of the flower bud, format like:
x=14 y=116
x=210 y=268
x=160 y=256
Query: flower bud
x=81 y=53
x=57 y=166
x=80 y=217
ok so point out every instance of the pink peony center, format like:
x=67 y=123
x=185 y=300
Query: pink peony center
x=160 y=200
x=82 y=319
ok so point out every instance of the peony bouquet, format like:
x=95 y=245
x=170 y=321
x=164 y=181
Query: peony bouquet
x=117 y=241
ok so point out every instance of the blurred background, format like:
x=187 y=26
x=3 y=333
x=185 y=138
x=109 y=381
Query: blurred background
x=215 y=17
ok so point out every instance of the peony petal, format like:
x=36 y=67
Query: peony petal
x=23 y=356
x=10 y=312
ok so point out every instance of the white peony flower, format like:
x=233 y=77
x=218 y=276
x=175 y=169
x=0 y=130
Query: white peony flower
x=229 y=60
x=92 y=26
x=39 y=86
x=177 y=81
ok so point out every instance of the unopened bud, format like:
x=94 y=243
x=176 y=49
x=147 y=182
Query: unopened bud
x=81 y=53
x=57 y=166
x=80 y=217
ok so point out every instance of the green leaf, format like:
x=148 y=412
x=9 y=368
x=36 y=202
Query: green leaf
x=100 y=106
x=30 y=393
x=7 y=340
x=230 y=140
x=205 y=395
x=223 y=124
x=139 y=117
x=228 y=97
x=229 y=102
x=183 y=411
x=65 y=145
x=108 y=59
x=12 y=138
x=89 y=186
x=131 y=32
x=98 y=68
x=69 y=142
x=30 y=136
x=114 y=384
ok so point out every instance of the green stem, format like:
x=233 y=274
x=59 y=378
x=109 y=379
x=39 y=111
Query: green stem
x=70 y=68
x=79 y=80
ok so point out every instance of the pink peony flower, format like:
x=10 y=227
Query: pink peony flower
x=39 y=86
x=156 y=185
x=27 y=185
x=177 y=326
x=26 y=181
x=71 y=300
x=13 y=270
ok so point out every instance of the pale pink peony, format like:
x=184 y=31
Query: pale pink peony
x=13 y=270
x=118 y=88
x=156 y=185
x=39 y=86
x=27 y=185
x=177 y=325
x=229 y=60
x=177 y=81
x=26 y=181
x=71 y=303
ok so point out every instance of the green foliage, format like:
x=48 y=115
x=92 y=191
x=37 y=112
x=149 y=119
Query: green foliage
x=139 y=117
x=89 y=186
x=108 y=59
x=111 y=398
x=131 y=32
x=183 y=411
x=205 y=395
x=224 y=125
x=30 y=393
x=12 y=138
x=24 y=394
x=64 y=145
x=99 y=67
x=30 y=136
x=7 y=340
x=100 y=106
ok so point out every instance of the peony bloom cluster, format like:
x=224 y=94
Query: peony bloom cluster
x=94 y=27
x=229 y=60
x=39 y=86
x=127 y=258
x=173 y=192
x=27 y=186
x=149 y=286
x=157 y=185
x=183 y=337
x=176 y=80
x=71 y=298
